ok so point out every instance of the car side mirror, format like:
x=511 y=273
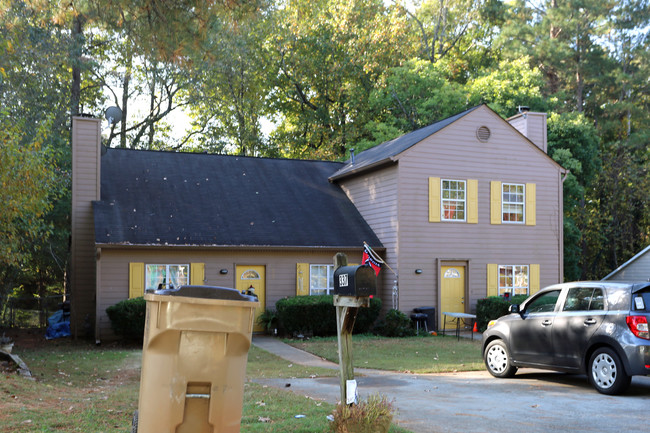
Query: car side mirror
x=514 y=308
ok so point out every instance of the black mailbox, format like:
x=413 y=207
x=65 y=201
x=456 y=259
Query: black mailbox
x=355 y=281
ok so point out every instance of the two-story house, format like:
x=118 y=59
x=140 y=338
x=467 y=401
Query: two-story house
x=468 y=207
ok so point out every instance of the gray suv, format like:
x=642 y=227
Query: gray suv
x=598 y=328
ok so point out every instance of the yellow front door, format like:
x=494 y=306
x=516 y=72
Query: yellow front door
x=452 y=293
x=252 y=278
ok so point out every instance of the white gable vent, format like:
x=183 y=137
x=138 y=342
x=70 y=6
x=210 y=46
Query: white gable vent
x=483 y=133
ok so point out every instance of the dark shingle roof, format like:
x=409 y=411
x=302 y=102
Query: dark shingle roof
x=382 y=153
x=166 y=198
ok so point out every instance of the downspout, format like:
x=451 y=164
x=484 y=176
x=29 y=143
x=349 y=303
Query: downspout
x=561 y=226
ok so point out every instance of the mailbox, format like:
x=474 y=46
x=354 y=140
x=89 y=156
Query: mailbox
x=355 y=281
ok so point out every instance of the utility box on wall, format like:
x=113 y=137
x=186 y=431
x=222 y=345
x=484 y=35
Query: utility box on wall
x=359 y=281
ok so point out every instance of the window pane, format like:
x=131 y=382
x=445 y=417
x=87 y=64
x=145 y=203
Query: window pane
x=318 y=277
x=321 y=279
x=178 y=276
x=513 y=279
x=453 y=200
x=155 y=276
x=597 y=300
x=513 y=203
x=544 y=303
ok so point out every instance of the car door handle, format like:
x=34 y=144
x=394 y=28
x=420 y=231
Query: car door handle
x=547 y=323
x=590 y=322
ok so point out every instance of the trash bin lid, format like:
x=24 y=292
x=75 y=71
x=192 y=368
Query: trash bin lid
x=206 y=292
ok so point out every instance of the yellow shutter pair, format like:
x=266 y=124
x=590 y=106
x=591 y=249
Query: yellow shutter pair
x=434 y=200
x=493 y=279
x=530 y=210
x=137 y=274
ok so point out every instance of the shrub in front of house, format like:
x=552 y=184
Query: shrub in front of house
x=493 y=307
x=395 y=324
x=128 y=317
x=316 y=315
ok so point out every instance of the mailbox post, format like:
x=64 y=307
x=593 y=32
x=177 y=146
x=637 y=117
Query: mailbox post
x=353 y=286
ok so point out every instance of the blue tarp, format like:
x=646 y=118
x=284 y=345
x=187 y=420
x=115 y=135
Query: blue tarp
x=59 y=325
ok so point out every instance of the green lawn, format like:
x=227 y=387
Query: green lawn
x=424 y=354
x=83 y=388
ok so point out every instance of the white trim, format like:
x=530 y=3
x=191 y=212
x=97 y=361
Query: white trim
x=464 y=200
x=523 y=203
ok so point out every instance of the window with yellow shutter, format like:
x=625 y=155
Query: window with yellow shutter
x=453 y=200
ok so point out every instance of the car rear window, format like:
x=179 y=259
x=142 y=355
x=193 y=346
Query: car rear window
x=641 y=301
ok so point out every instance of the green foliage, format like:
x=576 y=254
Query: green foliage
x=493 y=307
x=395 y=324
x=412 y=96
x=27 y=179
x=512 y=84
x=128 y=317
x=371 y=416
x=268 y=319
x=317 y=315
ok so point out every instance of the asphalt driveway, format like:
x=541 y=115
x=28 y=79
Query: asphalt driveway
x=533 y=401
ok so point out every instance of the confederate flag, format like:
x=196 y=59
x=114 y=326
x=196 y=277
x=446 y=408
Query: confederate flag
x=369 y=259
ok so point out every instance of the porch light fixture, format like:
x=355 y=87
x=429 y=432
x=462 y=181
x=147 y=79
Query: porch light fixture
x=223 y=271
x=418 y=271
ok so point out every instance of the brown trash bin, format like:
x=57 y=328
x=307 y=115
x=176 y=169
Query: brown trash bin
x=196 y=342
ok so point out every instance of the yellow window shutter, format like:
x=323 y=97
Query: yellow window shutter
x=302 y=279
x=434 y=199
x=534 y=279
x=492 y=279
x=495 y=202
x=197 y=274
x=472 y=201
x=530 y=204
x=136 y=280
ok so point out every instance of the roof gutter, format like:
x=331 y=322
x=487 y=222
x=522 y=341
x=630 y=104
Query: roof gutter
x=362 y=169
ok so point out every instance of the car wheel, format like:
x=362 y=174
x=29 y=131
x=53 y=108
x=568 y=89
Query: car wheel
x=497 y=360
x=606 y=372
x=134 y=423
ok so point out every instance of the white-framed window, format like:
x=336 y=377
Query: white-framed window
x=513 y=201
x=321 y=279
x=514 y=279
x=453 y=199
x=166 y=276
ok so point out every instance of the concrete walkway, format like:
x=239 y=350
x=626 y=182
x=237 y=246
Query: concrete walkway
x=534 y=401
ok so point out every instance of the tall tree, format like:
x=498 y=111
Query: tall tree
x=458 y=32
x=329 y=54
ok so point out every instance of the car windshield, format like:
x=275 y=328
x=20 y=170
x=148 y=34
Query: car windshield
x=543 y=303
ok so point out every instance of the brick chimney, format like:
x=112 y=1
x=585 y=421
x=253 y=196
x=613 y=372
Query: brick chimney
x=86 y=179
x=532 y=125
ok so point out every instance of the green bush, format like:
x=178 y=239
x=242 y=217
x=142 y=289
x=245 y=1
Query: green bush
x=492 y=308
x=316 y=315
x=127 y=318
x=395 y=324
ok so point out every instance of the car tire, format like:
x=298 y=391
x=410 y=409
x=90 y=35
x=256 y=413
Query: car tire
x=134 y=423
x=606 y=372
x=497 y=360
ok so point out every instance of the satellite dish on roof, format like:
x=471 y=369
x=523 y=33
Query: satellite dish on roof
x=113 y=115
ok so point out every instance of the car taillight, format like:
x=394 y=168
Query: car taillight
x=639 y=326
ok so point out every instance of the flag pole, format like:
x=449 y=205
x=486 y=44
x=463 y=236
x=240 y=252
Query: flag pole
x=377 y=258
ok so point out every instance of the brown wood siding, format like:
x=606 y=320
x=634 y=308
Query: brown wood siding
x=375 y=196
x=456 y=153
x=280 y=271
x=85 y=189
